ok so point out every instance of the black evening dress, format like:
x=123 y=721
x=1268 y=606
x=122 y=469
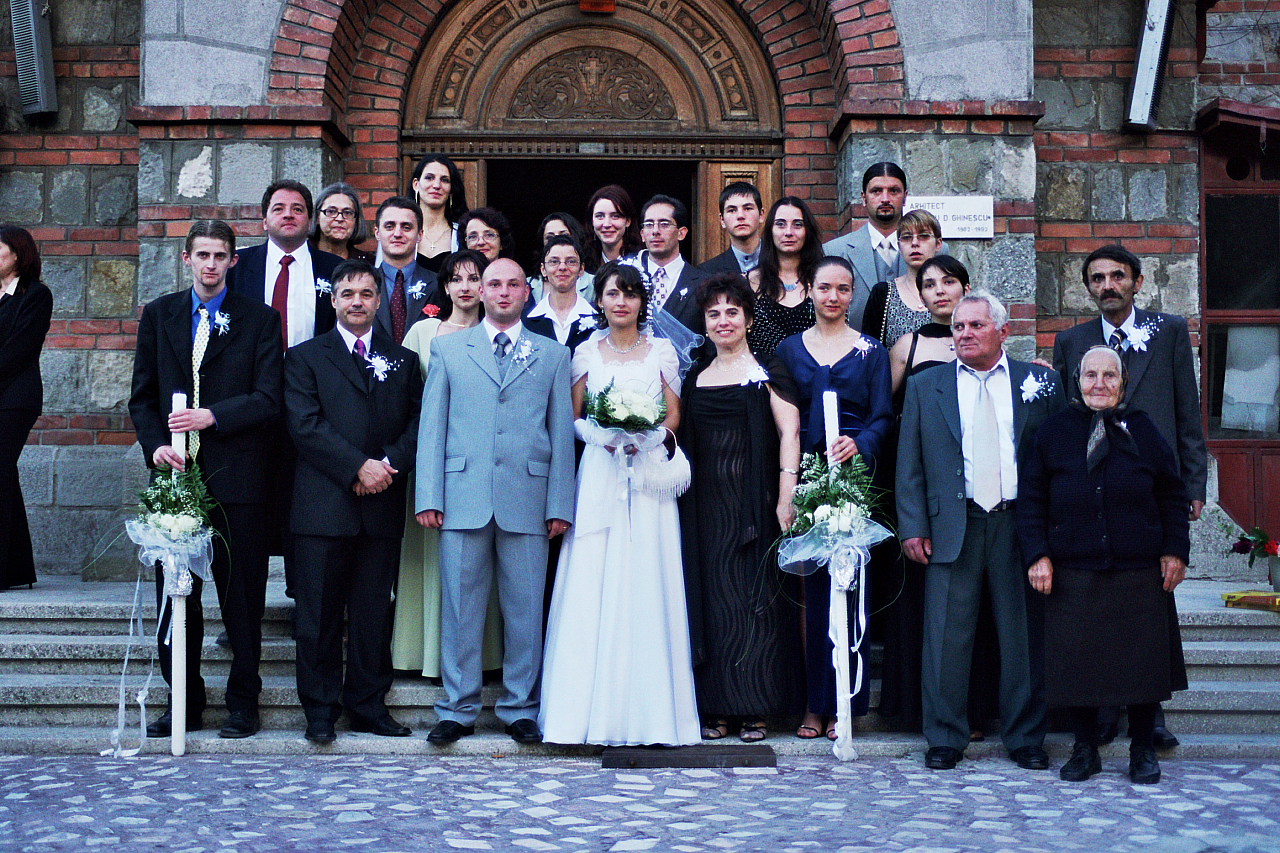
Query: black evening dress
x=774 y=322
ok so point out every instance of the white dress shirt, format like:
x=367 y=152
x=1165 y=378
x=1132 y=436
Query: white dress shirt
x=349 y=340
x=1001 y=391
x=492 y=331
x=582 y=308
x=301 y=306
x=1127 y=327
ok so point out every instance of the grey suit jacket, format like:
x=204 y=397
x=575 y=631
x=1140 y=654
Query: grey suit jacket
x=419 y=291
x=493 y=448
x=930 y=486
x=1162 y=383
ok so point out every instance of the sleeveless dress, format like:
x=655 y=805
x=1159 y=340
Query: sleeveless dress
x=617 y=668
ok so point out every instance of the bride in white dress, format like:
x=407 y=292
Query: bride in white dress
x=617 y=668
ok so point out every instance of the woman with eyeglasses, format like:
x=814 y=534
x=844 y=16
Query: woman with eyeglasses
x=339 y=226
x=488 y=232
x=437 y=185
x=561 y=225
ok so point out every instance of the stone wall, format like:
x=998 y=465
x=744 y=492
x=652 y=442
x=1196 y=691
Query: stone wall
x=1242 y=54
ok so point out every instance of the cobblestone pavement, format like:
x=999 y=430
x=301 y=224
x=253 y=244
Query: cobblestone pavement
x=387 y=805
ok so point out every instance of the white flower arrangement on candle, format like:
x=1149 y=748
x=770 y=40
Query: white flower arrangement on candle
x=173 y=527
x=831 y=504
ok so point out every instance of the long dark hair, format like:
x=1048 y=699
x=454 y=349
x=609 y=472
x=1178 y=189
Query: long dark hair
x=631 y=240
x=456 y=204
x=449 y=267
x=810 y=252
x=26 y=255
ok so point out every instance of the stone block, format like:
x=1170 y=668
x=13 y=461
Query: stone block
x=116 y=202
x=111 y=288
x=1188 y=198
x=238 y=23
x=246 y=169
x=1067 y=103
x=35 y=474
x=181 y=72
x=160 y=18
x=1109 y=203
x=103 y=109
x=21 y=197
x=153 y=172
x=11 y=118
x=1067 y=23
x=1064 y=191
x=925 y=166
x=1113 y=99
x=112 y=556
x=66 y=279
x=302 y=163
x=64 y=538
x=66 y=375
x=1075 y=296
x=1240 y=37
x=69 y=197
x=1010 y=267
x=1177 y=104
x=1148 y=298
x=134 y=475
x=1180 y=292
x=1148 y=195
x=129 y=21
x=159 y=268
x=84 y=22
x=195 y=174
x=88 y=476
x=969 y=166
x=1016 y=175
x=1046 y=287
x=958 y=49
x=856 y=154
x=110 y=378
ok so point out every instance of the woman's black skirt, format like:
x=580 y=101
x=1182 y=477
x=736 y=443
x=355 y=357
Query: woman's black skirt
x=1111 y=639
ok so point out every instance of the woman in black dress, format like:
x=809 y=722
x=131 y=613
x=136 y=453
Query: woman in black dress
x=789 y=256
x=437 y=185
x=741 y=432
x=26 y=306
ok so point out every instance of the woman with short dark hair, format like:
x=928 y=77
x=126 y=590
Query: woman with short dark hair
x=486 y=230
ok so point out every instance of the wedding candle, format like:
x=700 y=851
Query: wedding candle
x=179 y=439
x=831 y=417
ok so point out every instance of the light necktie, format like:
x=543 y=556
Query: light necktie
x=501 y=346
x=399 y=308
x=986 y=446
x=888 y=253
x=659 y=288
x=280 y=297
x=198 y=345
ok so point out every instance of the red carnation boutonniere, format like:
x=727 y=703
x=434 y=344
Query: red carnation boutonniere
x=430 y=310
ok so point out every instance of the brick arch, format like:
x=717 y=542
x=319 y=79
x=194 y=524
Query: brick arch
x=356 y=57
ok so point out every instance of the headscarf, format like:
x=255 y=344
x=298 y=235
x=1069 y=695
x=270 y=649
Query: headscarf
x=1105 y=425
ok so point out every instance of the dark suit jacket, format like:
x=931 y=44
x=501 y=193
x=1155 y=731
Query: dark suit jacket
x=930 y=485
x=543 y=326
x=24 y=322
x=249 y=278
x=340 y=416
x=726 y=261
x=241 y=382
x=682 y=301
x=1162 y=383
x=420 y=291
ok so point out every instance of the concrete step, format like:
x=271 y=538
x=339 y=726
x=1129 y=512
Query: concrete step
x=1230 y=660
x=491 y=743
x=1223 y=707
x=104 y=655
x=1227 y=624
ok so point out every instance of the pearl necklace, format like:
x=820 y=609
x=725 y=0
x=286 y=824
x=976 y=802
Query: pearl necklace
x=608 y=339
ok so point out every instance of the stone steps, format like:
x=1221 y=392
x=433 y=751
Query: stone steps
x=1233 y=660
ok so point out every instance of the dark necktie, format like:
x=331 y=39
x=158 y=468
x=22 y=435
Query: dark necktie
x=362 y=363
x=1116 y=342
x=280 y=297
x=398 y=308
x=501 y=346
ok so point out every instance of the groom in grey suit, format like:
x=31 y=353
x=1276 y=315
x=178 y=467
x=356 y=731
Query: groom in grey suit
x=496 y=477
x=964 y=428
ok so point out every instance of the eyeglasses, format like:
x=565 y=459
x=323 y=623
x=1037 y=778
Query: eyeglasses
x=555 y=263
x=482 y=237
x=657 y=225
x=339 y=213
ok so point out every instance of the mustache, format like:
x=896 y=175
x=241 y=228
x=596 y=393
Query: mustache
x=1110 y=294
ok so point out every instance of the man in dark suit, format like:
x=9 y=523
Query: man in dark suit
x=223 y=350
x=352 y=398
x=664 y=223
x=1156 y=350
x=407 y=286
x=740 y=217
x=963 y=430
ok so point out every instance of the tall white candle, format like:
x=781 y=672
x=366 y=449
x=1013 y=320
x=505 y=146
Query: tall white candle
x=179 y=439
x=831 y=417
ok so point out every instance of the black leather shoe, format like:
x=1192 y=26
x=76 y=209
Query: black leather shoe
x=321 y=731
x=447 y=731
x=1162 y=738
x=1030 y=758
x=240 y=724
x=1108 y=731
x=163 y=727
x=942 y=758
x=524 y=731
x=1084 y=762
x=384 y=726
x=1144 y=769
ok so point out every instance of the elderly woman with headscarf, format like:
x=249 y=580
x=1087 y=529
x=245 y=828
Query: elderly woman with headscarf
x=1102 y=521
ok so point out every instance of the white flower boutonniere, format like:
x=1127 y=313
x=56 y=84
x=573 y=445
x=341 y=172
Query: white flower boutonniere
x=756 y=374
x=862 y=345
x=381 y=366
x=1033 y=387
x=1141 y=335
x=222 y=322
x=323 y=286
x=524 y=349
x=416 y=289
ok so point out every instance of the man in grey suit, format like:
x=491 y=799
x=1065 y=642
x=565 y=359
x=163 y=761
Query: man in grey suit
x=873 y=248
x=1161 y=381
x=407 y=286
x=964 y=428
x=496 y=477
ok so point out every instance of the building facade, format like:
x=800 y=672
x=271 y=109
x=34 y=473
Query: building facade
x=171 y=110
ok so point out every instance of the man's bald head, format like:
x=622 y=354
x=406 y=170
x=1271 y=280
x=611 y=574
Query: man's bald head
x=503 y=291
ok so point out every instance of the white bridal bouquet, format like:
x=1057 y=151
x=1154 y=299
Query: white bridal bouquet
x=629 y=424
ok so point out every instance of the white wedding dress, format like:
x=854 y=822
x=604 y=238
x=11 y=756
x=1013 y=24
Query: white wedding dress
x=617 y=667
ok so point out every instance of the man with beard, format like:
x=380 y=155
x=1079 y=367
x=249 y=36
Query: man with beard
x=873 y=248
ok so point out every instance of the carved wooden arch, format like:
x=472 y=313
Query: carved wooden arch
x=509 y=66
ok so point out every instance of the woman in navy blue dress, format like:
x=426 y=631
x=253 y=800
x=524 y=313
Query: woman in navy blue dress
x=833 y=356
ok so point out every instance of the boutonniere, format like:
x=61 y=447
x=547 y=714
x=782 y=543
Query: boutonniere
x=1033 y=387
x=430 y=310
x=684 y=291
x=323 y=286
x=1141 y=335
x=756 y=374
x=523 y=350
x=222 y=322
x=381 y=366
x=415 y=289
x=863 y=345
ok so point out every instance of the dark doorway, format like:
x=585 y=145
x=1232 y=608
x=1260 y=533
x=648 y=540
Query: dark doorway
x=527 y=190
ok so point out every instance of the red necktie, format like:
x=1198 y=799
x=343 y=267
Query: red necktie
x=280 y=297
x=398 y=308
